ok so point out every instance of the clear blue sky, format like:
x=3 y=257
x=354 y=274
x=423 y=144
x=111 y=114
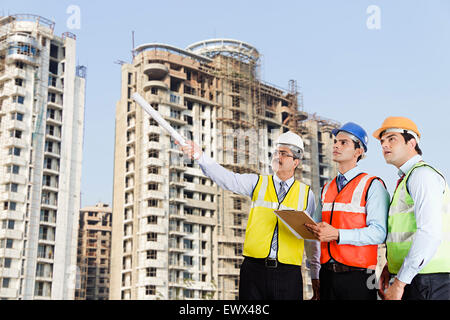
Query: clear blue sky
x=347 y=72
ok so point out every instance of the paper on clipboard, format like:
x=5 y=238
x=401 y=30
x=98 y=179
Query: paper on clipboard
x=295 y=221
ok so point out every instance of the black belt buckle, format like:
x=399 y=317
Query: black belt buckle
x=335 y=267
x=271 y=263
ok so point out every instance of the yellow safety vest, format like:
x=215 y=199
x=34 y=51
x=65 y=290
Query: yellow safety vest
x=262 y=221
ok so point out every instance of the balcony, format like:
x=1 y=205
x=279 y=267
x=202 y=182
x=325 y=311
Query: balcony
x=156 y=71
x=148 y=85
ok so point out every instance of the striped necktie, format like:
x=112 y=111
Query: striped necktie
x=281 y=194
x=341 y=181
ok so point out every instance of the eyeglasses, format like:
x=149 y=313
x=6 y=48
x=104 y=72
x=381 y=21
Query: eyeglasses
x=282 y=154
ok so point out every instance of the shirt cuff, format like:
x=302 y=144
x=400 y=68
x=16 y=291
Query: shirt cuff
x=344 y=236
x=406 y=275
x=205 y=160
x=314 y=272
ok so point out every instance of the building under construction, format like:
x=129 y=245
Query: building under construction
x=94 y=251
x=41 y=133
x=176 y=234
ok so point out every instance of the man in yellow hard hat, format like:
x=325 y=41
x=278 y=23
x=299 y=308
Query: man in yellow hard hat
x=271 y=269
x=418 y=240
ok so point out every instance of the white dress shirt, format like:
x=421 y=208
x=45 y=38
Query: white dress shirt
x=426 y=188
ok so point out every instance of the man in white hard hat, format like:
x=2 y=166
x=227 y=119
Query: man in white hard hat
x=271 y=269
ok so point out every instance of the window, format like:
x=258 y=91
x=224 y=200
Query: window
x=150 y=290
x=52 y=81
x=9 y=243
x=12 y=168
x=152 y=203
x=5 y=263
x=5 y=283
x=153 y=186
x=152 y=220
x=152 y=236
x=8 y=224
x=153 y=170
x=18 y=82
x=151 y=272
x=153 y=137
x=53 y=67
x=14 y=151
x=188 y=244
x=153 y=153
x=11 y=205
x=17 y=116
x=19 y=99
x=152 y=254
x=188 y=228
x=16 y=134
x=188 y=261
x=11 y=187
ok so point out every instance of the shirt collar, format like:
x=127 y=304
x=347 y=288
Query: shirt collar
x=350 y=174
x=277 y=180
x=404 y=169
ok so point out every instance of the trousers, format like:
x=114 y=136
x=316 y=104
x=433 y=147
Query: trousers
x=432 y=286
x=259 y=282
x=350 y=285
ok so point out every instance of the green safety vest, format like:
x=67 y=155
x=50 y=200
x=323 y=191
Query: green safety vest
x=402 y=229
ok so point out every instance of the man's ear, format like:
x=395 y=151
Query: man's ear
x=359 y=152
x=412 y=143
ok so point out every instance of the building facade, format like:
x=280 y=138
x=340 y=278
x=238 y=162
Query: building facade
x=176 y=234
x=94 y=249
x=41 y=136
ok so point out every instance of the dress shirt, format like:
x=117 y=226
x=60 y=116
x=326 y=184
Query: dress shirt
x=377 y=208
x=244 y=184
x=426 y=188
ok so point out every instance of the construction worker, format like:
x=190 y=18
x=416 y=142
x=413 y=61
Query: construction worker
x=352 y=221
x=271 y=269
x=418 y=241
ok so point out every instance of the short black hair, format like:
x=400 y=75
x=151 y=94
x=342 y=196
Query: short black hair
x=357 y=145
x=408 y=136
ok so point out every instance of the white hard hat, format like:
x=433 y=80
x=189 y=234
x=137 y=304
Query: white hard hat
x=292 y=139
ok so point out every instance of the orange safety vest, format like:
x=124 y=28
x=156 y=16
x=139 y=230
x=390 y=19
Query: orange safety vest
x=347 y=210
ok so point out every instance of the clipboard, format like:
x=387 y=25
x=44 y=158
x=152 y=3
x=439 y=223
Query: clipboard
x=295 y=221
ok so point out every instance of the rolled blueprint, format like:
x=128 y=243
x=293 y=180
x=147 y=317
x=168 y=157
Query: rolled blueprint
x=163 y=123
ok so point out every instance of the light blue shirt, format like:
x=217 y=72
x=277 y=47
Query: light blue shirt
x=426 y=188
x=244 y=184
x=377 y=207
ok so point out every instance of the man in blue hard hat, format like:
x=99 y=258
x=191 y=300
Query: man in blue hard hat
x=352 y=218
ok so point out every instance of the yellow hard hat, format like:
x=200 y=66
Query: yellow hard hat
x=400 y=124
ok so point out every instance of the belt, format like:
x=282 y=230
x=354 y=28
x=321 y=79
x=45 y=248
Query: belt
x=338 y=267
x=267 y=262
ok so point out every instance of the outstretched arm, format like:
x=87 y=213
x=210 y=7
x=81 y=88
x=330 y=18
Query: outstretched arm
x=238 y=183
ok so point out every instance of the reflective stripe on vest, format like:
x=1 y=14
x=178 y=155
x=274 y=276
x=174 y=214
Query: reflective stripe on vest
x=347 y=210
x=402 y=228
x=262 y=221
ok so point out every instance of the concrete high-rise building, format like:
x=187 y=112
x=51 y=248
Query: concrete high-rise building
x=41 y=136
x=94 y=249
x=176 y=234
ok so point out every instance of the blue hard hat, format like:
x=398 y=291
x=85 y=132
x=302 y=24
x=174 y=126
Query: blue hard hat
x=355 y=130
